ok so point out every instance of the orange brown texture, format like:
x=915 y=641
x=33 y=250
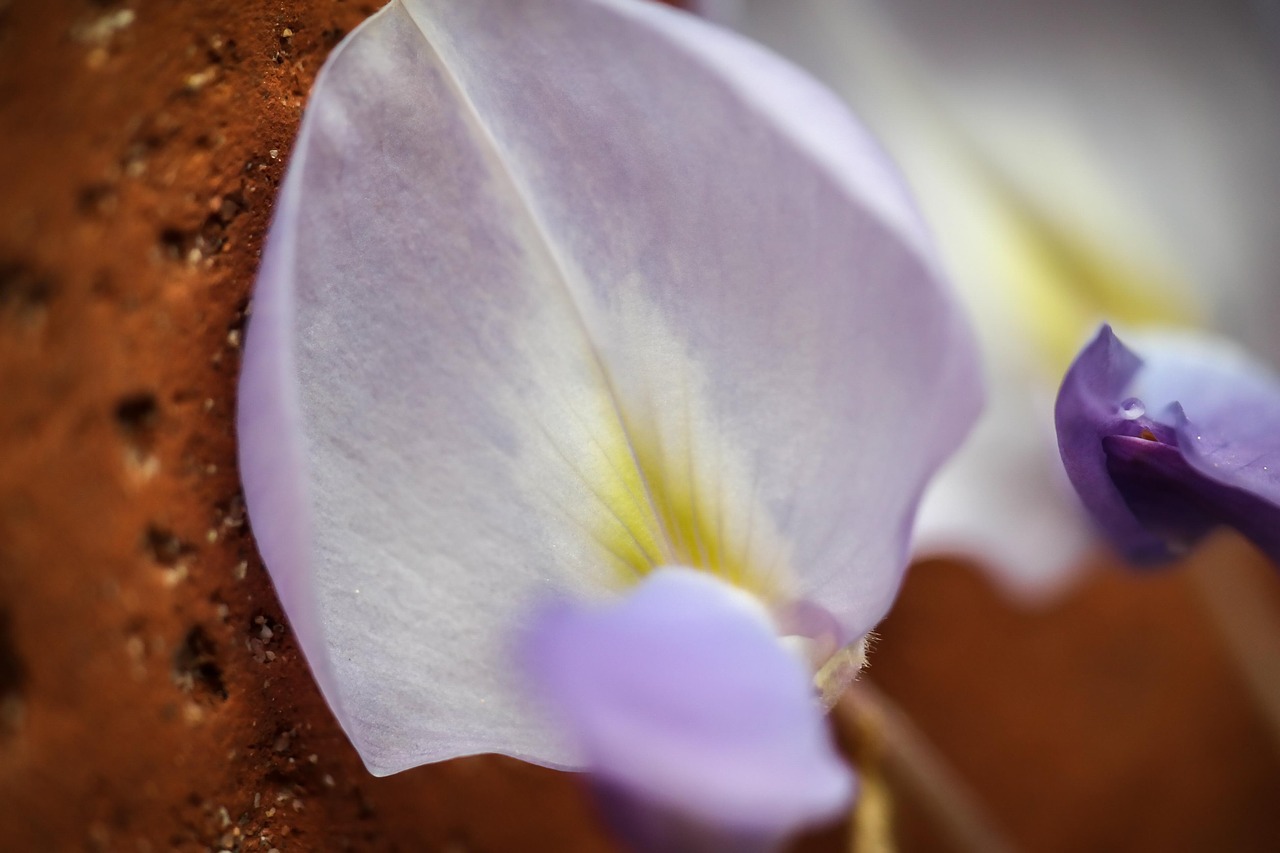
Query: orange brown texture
x=1110 y=719
x=151 y=697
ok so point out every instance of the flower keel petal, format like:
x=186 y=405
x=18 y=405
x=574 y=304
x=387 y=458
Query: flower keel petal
x=682 y=697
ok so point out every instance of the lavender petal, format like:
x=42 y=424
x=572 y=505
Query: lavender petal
x=701 y=726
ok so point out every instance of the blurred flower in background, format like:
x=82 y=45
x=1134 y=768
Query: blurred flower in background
x=589 y=326
x=1078 y=163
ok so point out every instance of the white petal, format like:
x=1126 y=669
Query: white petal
x=561 y=290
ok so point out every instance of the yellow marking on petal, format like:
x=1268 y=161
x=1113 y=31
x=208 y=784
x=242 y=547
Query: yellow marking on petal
x=1063 y=283
x=625 y=457
x=674 y=488
x=675 y=523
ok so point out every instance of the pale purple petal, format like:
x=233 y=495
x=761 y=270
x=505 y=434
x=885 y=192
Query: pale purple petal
x=685 y=705
x=522 y=245
x=1165 y=446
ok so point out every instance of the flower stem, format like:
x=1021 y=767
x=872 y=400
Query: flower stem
x=1238 y=600
x=917 y=766
x=872 y=829
x=873 y=817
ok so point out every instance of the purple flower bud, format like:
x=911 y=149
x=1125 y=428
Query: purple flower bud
x=1165 y=448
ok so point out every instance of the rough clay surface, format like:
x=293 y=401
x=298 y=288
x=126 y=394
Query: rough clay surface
x=151 y=697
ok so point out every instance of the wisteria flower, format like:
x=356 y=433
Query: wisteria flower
x=597 y=349
x=1106 y=161
x=1168 y=443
